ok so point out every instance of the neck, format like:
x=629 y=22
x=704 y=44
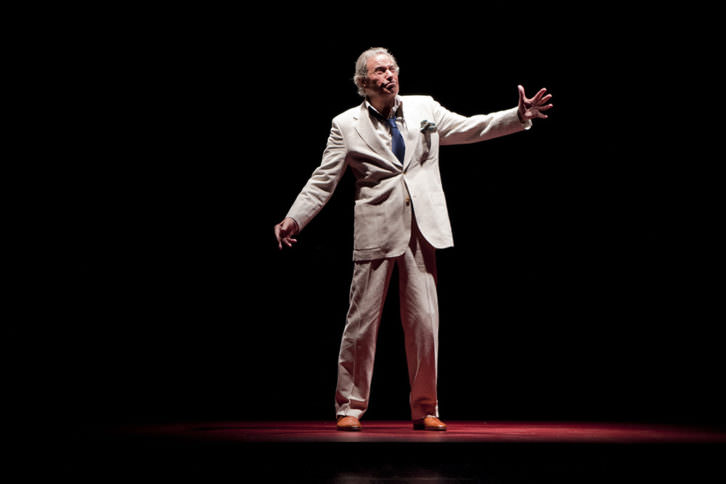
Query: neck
x=383 y=105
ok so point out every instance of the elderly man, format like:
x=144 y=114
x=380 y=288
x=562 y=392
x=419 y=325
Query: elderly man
x=391 y=143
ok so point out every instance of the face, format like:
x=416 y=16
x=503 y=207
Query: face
x=382 y=78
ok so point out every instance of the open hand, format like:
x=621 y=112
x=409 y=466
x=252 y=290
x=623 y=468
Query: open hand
x=530 y=108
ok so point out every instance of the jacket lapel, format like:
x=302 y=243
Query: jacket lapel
x=364 y=128
x=412 y=137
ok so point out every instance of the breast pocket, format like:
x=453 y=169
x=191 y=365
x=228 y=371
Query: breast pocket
x=430 y=144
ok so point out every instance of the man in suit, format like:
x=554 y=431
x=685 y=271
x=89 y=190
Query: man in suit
x=391 y=143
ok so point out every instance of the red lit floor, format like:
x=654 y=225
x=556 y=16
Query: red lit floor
x=401 y=431
x=392 y=452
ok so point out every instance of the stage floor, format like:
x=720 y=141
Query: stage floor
x=392 y=452
x=401 y=431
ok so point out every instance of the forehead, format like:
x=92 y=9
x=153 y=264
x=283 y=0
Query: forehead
x=379 y=60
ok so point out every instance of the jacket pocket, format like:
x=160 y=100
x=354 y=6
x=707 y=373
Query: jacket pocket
x=369 y=227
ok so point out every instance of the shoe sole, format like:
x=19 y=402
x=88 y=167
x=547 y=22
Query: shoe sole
x=434 y=429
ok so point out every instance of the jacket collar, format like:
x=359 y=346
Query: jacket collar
x=365 y=129
x=396 y=111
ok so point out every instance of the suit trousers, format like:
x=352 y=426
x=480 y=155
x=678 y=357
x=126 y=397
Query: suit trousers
x=420 y=320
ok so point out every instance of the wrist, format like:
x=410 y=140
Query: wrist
x=297 y=225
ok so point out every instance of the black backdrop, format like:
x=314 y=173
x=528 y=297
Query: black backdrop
x=583 y=284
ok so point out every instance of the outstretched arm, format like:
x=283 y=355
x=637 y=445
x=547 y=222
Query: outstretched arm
x=454 y=128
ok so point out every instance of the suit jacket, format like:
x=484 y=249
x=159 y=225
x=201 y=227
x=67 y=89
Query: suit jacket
x=387 y=194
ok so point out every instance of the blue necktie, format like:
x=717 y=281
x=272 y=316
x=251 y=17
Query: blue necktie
x=399 y=149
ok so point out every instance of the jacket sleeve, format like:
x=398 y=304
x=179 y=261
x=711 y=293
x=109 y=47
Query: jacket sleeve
x=321 y=185
x=457 y=129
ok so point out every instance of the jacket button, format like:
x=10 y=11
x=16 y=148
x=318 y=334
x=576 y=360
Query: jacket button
x=408 y=201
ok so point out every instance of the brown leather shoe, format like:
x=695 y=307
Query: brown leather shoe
x=348 y=424
x=429 y=423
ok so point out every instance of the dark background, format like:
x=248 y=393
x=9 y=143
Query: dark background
x=585 y=283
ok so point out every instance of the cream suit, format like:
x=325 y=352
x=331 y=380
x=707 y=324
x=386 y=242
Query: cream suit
x=400 y=217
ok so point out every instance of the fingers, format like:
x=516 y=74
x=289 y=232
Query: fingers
x=540 y=97
x=534 y=106
x=522 y=97
x=278 y=235
x=537 y=97
x=543 y=107
x=289 y=241
x=284 y=232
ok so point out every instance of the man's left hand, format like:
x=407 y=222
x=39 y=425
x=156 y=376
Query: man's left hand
x=530 y=108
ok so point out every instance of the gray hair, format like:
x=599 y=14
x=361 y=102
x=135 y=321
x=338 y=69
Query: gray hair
x=361 y=66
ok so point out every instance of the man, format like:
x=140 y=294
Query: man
x=391 y=143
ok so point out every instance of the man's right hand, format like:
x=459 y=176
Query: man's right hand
x=285 y=231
